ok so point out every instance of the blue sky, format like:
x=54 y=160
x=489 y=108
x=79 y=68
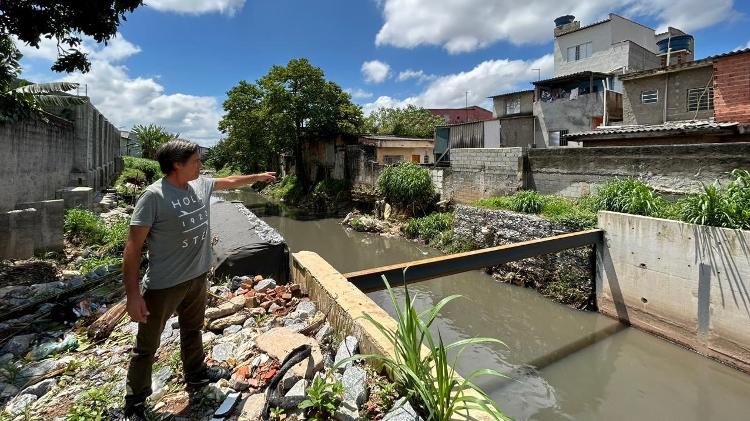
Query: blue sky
x=174 y=60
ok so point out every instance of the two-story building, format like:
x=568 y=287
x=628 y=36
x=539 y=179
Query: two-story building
x=515 y=113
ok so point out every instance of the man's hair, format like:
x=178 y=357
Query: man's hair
x=174 y=151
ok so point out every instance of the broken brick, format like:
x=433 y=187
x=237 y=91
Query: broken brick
x=287 y=296
x=242 y=371
x=258 y=278
x=266 y=304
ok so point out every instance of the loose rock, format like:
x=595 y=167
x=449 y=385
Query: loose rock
x=295 y=396
x=402 y=411
x=348 y=348
x=265 y=285
x=354 y=381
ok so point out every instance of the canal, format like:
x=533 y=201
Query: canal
x=564 y=364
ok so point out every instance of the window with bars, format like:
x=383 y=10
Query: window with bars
x=392 y=159
x=579 y=52
x=649 y=97
x=513 y=105
x=700 y=99
x=556 y=139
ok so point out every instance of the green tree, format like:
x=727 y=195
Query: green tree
x=65 y=21
x=289 y=107
x=151 y=137
x=411 y=121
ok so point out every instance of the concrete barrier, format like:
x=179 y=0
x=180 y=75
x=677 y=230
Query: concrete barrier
x=48 y=224
x=688 y=283
x=345 y=306
x=17 y=231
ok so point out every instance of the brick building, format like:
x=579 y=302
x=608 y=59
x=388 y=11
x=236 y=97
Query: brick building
x=462 y=115
x=732 y=86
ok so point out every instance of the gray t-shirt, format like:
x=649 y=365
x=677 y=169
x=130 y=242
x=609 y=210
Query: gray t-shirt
x=179 y=242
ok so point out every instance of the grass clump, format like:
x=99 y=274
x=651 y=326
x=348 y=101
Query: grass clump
x=527 y=201
x=430 y=379
x=84 y=227
x=430 y=226
x=407 y=186
x=94 y=405
x=288 y=189
x=628 y=195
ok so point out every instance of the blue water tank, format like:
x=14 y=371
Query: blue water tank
x=679 y=42
x=564 y=20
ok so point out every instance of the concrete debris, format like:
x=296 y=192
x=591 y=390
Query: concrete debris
x=348 y=348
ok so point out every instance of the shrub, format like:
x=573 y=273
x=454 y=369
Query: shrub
x=430 y=380
x=149 y=167
x=407 y=186
x=430 y=226
x=628 y=195
x=132 y=176
x=287 y=189
x=84 y=227
x=527 y=201
x=330 y=189
x=116 y=235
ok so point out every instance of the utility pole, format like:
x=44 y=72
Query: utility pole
x=538 y=74
x=466 y=108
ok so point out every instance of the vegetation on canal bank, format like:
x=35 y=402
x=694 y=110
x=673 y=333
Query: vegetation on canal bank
x=326 y=196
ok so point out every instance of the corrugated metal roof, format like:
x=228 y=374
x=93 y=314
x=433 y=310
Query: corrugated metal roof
x=572 y=76
x=679 y=126
x=513 y=93
x=672 y=68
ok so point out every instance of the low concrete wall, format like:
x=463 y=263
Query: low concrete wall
x=50 y=216
x=345 y=306
x=17 y=233
x=688 y=283
x=477 y=173
x=576 y=172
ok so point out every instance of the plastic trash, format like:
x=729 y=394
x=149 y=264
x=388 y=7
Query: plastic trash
x=70 y=342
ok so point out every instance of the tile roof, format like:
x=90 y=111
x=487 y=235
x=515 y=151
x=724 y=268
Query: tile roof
x=512 y=93
x=572 y=76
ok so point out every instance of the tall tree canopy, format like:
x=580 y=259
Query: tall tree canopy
x=151 y=137
x=411 y=121
x=284 y=109
x=65 y=21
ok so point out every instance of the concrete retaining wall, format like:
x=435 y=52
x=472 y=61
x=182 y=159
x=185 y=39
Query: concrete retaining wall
x=481 y=172
x=35 y=160
x=575 y=172
x=688 y=283
x=345 y=306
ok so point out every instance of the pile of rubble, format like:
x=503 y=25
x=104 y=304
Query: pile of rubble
x=252 y=327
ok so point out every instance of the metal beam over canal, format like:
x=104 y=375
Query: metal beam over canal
x=435 y=267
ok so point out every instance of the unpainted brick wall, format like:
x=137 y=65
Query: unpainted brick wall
x=732 y=88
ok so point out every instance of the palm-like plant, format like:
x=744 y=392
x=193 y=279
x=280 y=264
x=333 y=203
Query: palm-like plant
x=430 y=378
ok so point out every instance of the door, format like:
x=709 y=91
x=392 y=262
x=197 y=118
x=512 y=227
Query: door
x=415 y=159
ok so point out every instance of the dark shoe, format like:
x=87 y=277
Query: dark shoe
x=208 y=375
x=135 y=411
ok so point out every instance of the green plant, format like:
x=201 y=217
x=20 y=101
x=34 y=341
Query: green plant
x=9 y=371
x=148 y=167
x=407 y=186
x=92 y=263
x=527 y=201
x=132 y=176
x=84 y=227
x=288 y=189
x=94 y=405
x=115 y=236
x=710 y=207
x=277 y=412
x=628 y=195
x=323 y=399
x=175 y=361
x=499 y=202
x=429 y=377
x=428 y=227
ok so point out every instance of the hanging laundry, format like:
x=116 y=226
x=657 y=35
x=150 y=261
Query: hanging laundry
x=574 y=94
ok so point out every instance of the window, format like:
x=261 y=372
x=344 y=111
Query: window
x=555 y=138
x=392 y=159
x=513 y=105
x=700 y=99
x=649 y=97
x=426 y=159
x=579 y=52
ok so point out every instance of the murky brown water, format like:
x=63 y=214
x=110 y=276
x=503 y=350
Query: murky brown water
x=567 y=364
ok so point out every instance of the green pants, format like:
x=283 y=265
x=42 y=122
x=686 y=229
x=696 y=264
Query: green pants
x=188 y=299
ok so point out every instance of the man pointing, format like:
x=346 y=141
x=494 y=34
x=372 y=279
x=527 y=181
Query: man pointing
x=173 y=215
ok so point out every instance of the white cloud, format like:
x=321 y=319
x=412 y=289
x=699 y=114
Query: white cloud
x=358 y=93
x=488 y=78
x=467 y=25
x=420 y=75
x=127 y=100
x=197 y=7
x=117 y=48
x=375 y=71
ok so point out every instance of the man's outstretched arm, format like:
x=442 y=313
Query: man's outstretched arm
x=237 y=181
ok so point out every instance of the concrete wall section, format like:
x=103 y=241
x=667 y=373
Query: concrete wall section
x=575 y=172
x=479 y=173
x=563 y=114
x=36 y=160
x=517 y=131
x=677 y=85
x=688 y=283
x=18 y=228
x=49 y=219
